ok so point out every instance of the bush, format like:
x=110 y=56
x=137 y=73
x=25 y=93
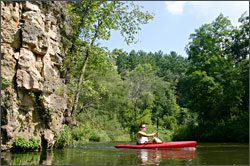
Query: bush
x=165 y=135
x=64 y=138
x=103 y=136
x=170 y=122
x=124 y=137
x=232 y=130
x=98 y=135
x=87 y=132
x=94 y=138
x=81 y=133
x=22 y=144
x=186 y=132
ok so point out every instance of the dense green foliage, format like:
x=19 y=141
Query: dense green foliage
x=93 y=22
x=203 y=97
x=24 y=145
x=64 y=138
x=86 y=60
x=217 y=80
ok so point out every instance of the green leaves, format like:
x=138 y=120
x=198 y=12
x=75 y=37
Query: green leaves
x=204 y=94
x=213 y=87
x=93 y=22
x=208 y=87
x=4 y=83
x=23 y=144
x=64 y=138
x=98 y=18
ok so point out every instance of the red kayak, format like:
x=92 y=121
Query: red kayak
x=179 y=144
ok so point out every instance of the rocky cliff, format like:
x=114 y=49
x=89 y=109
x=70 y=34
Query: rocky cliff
x=31 y=57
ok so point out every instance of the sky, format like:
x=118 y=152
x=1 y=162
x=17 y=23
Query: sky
x=173 y=23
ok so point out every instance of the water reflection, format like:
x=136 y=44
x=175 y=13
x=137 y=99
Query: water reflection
x=27 y=158
x=149 y=157
x=156 y=156
x=106 y=154
x=46 y=158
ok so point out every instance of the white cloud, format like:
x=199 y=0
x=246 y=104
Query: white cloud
x=209 y=10
x=175 y=7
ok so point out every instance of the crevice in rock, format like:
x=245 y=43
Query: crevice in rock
x=44 y=143
x=19 y=38
x=14 y=81
x=40 y=58
x=4 y=138
x=43 y=112
x=17 y=43
x=22 y=9
x=3 y=116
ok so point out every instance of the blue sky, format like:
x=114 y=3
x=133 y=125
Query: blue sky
x=174 y=21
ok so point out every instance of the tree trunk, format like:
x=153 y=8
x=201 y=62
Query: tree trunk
x=135 y=105
x=84 y=68
x=79 y=83
x=85 y=64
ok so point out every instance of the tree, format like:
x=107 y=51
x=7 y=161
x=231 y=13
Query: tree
x=140 y=80
x=163 y=88
x=240 y=41
x=217 y=54
x=93 y=21
x=171 y=67
x=110 y=111
x=122 y=63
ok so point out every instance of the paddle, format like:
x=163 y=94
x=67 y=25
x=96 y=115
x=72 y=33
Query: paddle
x=157 y=124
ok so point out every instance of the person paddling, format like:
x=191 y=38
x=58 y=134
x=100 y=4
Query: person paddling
x=142 y=137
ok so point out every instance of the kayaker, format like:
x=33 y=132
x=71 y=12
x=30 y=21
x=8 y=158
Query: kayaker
x=142 y=137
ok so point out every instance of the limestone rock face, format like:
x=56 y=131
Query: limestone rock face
x=33 y=37
x=31 y=57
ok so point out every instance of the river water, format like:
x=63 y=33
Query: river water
x=106 y=154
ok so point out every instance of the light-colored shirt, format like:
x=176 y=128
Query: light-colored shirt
x=141 y=139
